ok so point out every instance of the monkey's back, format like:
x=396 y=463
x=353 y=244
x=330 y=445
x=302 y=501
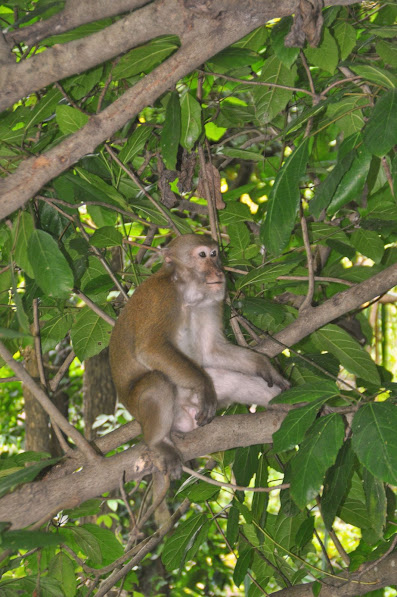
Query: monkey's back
x=144 y=324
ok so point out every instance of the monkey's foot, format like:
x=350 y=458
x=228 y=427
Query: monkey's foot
x=167 y=460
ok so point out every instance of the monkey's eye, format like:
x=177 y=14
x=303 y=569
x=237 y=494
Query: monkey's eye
x=202 y=254
x=213 y=253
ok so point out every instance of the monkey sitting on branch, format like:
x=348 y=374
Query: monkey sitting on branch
x=171 y=363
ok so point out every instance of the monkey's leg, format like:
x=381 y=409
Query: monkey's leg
x=231 y=386
x=153 y=400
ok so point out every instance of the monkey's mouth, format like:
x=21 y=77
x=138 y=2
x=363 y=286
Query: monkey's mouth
x=211 y=283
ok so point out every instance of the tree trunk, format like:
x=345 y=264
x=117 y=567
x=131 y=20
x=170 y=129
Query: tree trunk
x=37 y=429
x=99 y=393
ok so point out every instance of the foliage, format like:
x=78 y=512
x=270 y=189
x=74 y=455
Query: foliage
x=297 y=136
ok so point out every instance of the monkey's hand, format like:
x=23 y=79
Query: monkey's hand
x=271 y=375
x=207 y=404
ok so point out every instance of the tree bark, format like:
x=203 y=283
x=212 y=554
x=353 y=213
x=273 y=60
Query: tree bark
x=99 y=393
x=37 y=426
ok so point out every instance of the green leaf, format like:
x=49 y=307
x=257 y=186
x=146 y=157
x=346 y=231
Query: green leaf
x=51 y=270
x=325 y=56
x=179 y=545
x=54 y=331
x=239 y=235
x=62 y=569
x=295 y=425
x=106 y=236
x=25 y=475
x=354 y=510
x=352 y=183
x=88 y=508
x=24 y=230
x=368 y=243
x=376 y=75
x=245 y=555
x=44 y=108
x=82 y=539
x=316 y=454
x=233 y=57
x=345 y=36
x=199 y=492
x=269 y=101
x=16 y=540
x=347 y=114
x=90 y=334
x=387 y=51
x=327 y=188
x=375 y=496
x=232 y=525
x=170 y=135
x=349 y=352
x=287 y=55
x=266 y=274
x=375 y=439
x=190 y=121
x=145 y=58
x=337 y=483
x=242 y=154
x=380 y=133
x=245 y=464
x=109 y=546
x=284 y=200
x=135 y=144
x=14 y=587
x=70 y=119
x=307 y=393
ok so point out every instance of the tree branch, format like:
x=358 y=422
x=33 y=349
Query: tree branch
x=217 y=27
x=48 y=406
x=384 y=574
x=34 y=501
x=343 y=302
x=74 y=14
x=64 y=60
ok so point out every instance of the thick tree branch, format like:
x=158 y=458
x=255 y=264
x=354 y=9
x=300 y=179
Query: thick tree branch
x=64 y=60
x=34 y=501
x=74 y=14
x=215 y=22
x=314 y=318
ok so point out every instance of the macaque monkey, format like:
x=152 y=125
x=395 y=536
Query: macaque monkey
x=171 y=363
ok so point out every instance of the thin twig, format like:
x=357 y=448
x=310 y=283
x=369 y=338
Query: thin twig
x=142 y=188
x=61 y=371
x=123 y=212
x=86 y=449
x=105 y=264
x=211 y=481
x=310 y=268
x=37 y=342
x=209 y=196
x=94 y=307
x=261 y=83
x=148 y=546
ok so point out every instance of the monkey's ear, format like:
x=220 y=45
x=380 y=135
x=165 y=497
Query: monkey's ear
x=165 y=253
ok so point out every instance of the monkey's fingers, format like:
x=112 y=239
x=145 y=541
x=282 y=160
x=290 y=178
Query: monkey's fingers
x=206 y=412
x=280 y=381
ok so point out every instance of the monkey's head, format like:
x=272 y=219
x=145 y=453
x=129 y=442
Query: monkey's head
x=195 y=265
